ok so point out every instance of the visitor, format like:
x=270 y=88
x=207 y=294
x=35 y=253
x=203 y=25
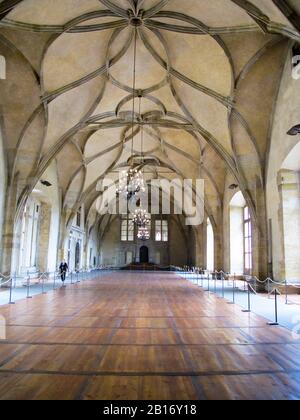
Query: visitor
x=63 y=268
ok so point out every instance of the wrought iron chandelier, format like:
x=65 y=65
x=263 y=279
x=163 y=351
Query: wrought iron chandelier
x=141 y=218
x=143 y=234
x=131 y=183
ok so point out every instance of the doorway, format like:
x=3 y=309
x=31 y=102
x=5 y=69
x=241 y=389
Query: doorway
x=144 y=255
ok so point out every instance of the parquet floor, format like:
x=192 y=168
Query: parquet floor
x=144 y=337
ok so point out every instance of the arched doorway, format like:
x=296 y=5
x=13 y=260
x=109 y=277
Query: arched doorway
x=144 y=255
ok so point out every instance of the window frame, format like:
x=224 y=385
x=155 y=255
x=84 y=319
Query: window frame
x=248 y=241
x=162 y=229
x=127 y=233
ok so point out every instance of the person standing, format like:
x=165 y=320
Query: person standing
x=63 y=268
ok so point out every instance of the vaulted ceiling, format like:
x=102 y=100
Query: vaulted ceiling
x=207 y=75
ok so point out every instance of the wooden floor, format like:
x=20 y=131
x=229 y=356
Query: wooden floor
x=143 y=336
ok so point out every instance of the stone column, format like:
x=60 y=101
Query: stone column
x=9 y=241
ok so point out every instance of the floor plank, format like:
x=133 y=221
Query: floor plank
x=143 y=336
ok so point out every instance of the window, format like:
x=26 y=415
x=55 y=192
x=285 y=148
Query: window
x=210 y=251
x=2 y=68
x=127 y=229
x=78 y=218
x=247 y=241
x=161 y=231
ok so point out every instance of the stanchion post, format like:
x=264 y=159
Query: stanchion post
x=276 y=311
x=54 y=281
x=28 y=286
x=233 y=291
x=234 y=282
x=223 y=286
x=10 y=292
x=215 y=283
x=249 y=301
x=43 y=284
x=286 y=292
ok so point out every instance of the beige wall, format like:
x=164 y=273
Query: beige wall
x=175 y=252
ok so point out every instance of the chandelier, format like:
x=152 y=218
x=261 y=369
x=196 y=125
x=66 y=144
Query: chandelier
x=143 y=234
x=131 y=183
x=141 y=218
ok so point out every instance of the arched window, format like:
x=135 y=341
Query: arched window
x=78 y=218
x=2 y=68
x=127 y=229
x=161 y=230
x=248 y=241
x=210 y=247
x=238 y=227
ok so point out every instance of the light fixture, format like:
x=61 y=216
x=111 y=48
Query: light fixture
x=131 y=183
x=141 y=218
x=46 y=183
x=143 y=234
x=294 y=130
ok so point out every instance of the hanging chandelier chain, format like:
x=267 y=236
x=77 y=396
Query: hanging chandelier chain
x=142 y=130
x=134 y=87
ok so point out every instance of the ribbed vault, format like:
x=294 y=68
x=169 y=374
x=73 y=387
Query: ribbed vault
x=204 y=91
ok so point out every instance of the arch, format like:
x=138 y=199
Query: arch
x=2 y=67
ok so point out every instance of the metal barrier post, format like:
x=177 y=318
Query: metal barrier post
x=233 y=292
x=249 y=301
x=208 y=284
x=28 y=286
x=215 y=283
x=223 y=285
x=234 y=282
x=71 y=277
x=43 y=284
x=276 y=311
x=286 y=293
x=10 y=292
x=54 y=281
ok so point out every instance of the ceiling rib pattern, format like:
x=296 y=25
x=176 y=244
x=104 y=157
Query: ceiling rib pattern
x=186 y=79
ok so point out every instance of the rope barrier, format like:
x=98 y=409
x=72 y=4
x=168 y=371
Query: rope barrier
x=251 y=281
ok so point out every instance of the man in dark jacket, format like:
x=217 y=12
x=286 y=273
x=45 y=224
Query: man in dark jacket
x=63 y=268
